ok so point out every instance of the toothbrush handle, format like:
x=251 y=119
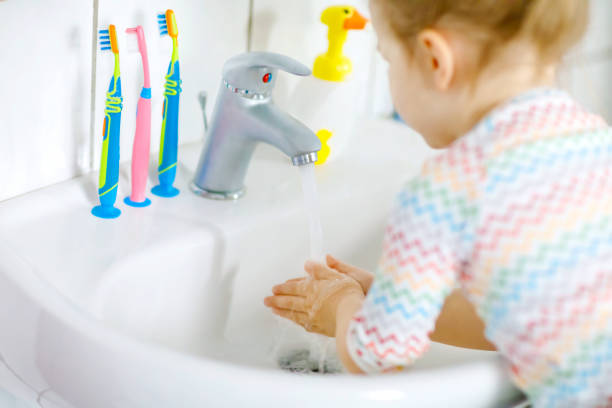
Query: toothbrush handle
x=140 y=150
x=109 y=167
x=169 y=142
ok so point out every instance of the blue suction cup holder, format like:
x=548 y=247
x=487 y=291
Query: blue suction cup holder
x=136 y=204
x=166 y=191
x=106 y=212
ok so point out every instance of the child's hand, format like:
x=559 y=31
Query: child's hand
x=363 y=277
x=312 y=302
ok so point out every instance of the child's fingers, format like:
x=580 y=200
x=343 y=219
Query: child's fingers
x=300 y=318
x=339 y=265
x=331 y=261
x=319 y=271
x=293 y=303
x=364 y=278
x=293 y=287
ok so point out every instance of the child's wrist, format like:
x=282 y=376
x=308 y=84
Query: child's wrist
x=348 y=306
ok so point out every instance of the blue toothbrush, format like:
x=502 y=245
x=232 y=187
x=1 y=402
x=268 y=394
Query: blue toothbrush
x=109 y=165
x=166 y=169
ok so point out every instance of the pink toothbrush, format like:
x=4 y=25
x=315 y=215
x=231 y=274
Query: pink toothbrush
x=142 y=137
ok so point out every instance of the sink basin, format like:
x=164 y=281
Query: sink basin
x=163 y=307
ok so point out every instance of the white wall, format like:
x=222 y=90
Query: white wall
x=587 y=71
x=294 y=28
x=45 y=82
x=46 y=78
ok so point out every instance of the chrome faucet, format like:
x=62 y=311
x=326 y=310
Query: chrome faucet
x=244 y=115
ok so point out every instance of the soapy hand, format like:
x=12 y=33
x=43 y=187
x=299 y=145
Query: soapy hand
x=363 y=277
x=312 y=302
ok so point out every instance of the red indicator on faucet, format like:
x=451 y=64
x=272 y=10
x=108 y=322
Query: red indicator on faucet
x=267 y=78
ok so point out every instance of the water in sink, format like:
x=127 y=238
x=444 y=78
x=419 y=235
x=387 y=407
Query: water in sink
x=303 y=361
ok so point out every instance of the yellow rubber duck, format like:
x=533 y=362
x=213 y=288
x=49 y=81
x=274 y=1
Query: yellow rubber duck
x=334 y=65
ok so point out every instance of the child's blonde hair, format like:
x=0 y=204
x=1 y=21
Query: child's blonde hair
x=553 y=26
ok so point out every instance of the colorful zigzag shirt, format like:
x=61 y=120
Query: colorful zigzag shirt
x=518 y=214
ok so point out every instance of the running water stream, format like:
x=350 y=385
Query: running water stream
x=318 y=346
x=314 y=358
x=313 y=212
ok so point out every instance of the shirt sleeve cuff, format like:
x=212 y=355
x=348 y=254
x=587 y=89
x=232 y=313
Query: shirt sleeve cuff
x=358 y=352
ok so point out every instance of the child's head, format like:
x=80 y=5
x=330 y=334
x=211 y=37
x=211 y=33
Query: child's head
x=450 y=61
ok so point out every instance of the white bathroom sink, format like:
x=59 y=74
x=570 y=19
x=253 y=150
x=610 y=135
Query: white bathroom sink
x=163 y=307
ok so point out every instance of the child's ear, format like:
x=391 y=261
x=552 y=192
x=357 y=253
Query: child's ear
x=437 y=57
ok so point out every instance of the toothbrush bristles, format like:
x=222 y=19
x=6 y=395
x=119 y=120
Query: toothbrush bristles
x=163 y=25
x=104 y=39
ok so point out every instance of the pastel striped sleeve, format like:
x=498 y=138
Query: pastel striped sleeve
x=428 y=234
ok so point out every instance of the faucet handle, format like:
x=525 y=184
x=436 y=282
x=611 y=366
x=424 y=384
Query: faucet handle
x=202 y=98
x=254 y=73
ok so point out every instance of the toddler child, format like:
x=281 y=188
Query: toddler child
x=516 y=211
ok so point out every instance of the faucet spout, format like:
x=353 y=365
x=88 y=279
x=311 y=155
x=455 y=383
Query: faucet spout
x=304 y=158
x=279 y=129
x=244 y=116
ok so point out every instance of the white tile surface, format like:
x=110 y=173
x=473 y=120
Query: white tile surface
x=590 y=84
x=210 y=31
x=45 y=81
x=587 y=69
x=599 y=32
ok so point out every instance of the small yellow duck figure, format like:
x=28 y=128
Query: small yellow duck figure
x=334 y=65
x=324 y=135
